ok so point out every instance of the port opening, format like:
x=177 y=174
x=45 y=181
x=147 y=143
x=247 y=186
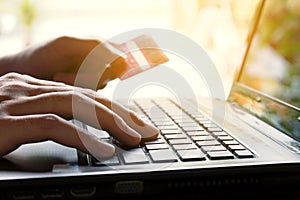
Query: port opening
x=83 y=192
x=52 y=194
x=23 y=195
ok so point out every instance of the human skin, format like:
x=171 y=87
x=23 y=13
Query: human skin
x=35 y=108
x=60 y=59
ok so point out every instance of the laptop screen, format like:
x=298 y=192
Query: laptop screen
x=272 y=67
x=273 y=63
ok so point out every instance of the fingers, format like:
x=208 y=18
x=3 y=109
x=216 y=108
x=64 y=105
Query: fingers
x=73 y=104
x=24 y=85
x=147 y=131
x=82 y=104
x=16 y=77
x=92 y=108
x=36 y=128
x=100 y=66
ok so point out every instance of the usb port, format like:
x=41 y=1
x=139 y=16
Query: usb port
x=52 y=194
x=83 y=192
x=23 y=195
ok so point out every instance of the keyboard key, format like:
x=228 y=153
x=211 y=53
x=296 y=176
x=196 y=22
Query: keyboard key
x=222 y=133
x=217 y=155
x=209 y=125
x=202 y=138
x=236 y=147
x=213 y=148
x=164 y=123
x=193 y=128
x=188 y=124
x=135 y=156
x=175 y=136
x=243 y=154
x=214 y=129
x=191 y=155
x=207 y=143
x=204 y=121
x=156 y=146
x=184 y=146
x=180 y=141
x=184 y=120
x=165 y=132
x=160 y=119
x=230 y=142
x=179 y=117
x=114 y=160
x=197 y=133
x=227 y=137
x=171 y=127
x=157 y=141
x=161 y=156
x=200 y=118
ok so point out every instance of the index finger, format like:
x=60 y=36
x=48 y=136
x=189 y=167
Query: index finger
x=70 y=104
x=146 y=130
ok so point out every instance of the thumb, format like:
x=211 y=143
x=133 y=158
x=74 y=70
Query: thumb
x=68 y=78
x=90 y=80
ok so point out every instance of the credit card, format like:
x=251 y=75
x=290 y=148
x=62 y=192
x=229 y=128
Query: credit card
x=141 y=54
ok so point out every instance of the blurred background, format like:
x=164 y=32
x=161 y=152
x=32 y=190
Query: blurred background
x=219 y=26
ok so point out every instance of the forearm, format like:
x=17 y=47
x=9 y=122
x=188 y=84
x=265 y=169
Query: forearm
x=7 y=64
x=17 y=63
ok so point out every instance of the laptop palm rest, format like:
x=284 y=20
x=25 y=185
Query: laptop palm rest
x=38 y=157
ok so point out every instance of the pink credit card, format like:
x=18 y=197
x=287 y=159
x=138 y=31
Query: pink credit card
x=141 y=54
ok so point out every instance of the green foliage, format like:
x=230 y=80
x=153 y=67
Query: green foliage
x=27 y=13
x=282 y=30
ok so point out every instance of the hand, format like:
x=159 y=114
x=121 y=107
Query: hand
x=33 y=110
x=60 y=60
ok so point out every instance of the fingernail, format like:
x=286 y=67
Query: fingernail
x=96 y=146
x=135 y=138
x=149 y=132
x=137 y=120
x=101 y=150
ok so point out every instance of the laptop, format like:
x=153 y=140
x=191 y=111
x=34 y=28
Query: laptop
x=254 y=148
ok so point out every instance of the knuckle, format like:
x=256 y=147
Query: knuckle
x=12 y=75
x=10 y=106
x=15 y=88
x=50 y=118
x=4 y=97
x=48 y=121
x=16 y=85
x=76 y=96
x=62 y=39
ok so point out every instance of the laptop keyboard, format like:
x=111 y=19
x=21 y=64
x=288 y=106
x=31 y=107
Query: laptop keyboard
x=186 y=135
